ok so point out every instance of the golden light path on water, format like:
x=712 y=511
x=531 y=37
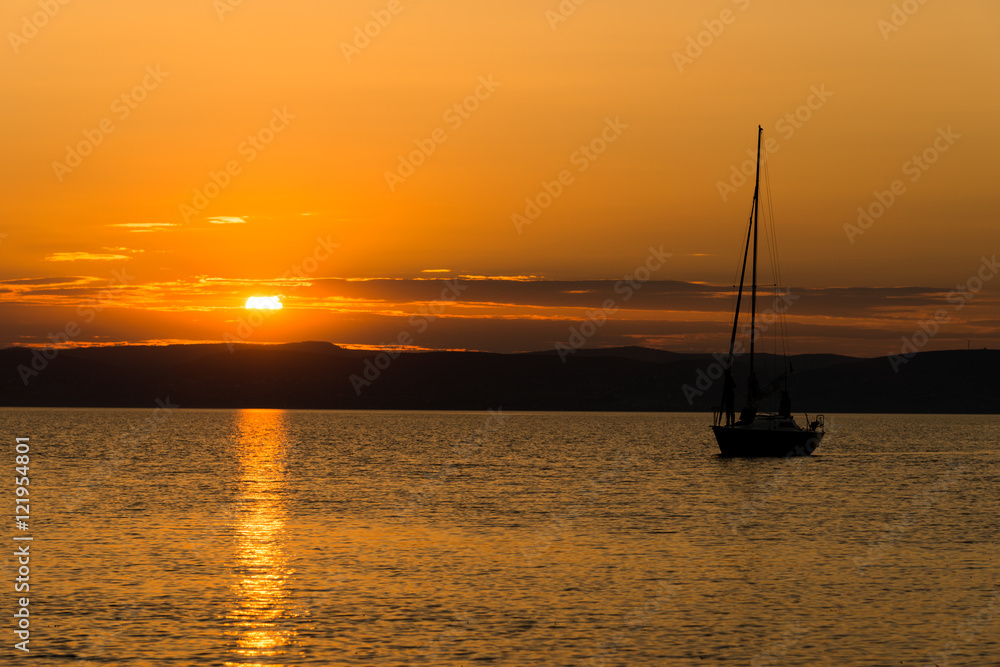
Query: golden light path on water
x=260 y=622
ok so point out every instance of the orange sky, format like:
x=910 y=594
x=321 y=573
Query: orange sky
x=303 y=124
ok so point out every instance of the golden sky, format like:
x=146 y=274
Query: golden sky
x=166 y=160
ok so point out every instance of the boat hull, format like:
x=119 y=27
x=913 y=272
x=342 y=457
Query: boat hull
x=738 y=441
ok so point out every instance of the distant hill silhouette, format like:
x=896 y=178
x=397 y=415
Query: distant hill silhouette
x=317 y=375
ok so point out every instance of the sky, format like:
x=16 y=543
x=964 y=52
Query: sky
x=497 y=176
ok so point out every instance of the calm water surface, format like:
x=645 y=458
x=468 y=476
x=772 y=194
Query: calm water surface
x=347 y=538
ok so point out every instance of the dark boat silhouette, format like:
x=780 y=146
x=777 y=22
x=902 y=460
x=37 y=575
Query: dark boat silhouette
x=757 y=433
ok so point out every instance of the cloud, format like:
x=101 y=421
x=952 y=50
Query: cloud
x=55 y=280
x=145 y=226
x=84 y=257
x=514 y=278
x=227 y=220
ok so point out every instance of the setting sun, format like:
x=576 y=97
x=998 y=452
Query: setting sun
x=264 y=303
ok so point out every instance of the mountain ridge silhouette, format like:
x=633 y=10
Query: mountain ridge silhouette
x=318 y=375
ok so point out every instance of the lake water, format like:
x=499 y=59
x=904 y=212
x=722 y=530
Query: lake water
x=352 y=538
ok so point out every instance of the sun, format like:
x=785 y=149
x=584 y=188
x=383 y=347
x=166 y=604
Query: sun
x=264 y=303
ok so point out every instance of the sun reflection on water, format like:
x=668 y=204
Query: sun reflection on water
x=260 y=628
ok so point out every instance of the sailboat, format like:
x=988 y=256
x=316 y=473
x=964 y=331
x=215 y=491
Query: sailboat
x=757 y=433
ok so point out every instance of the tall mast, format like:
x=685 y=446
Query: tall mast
x=752 y=389
x=739 y=295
